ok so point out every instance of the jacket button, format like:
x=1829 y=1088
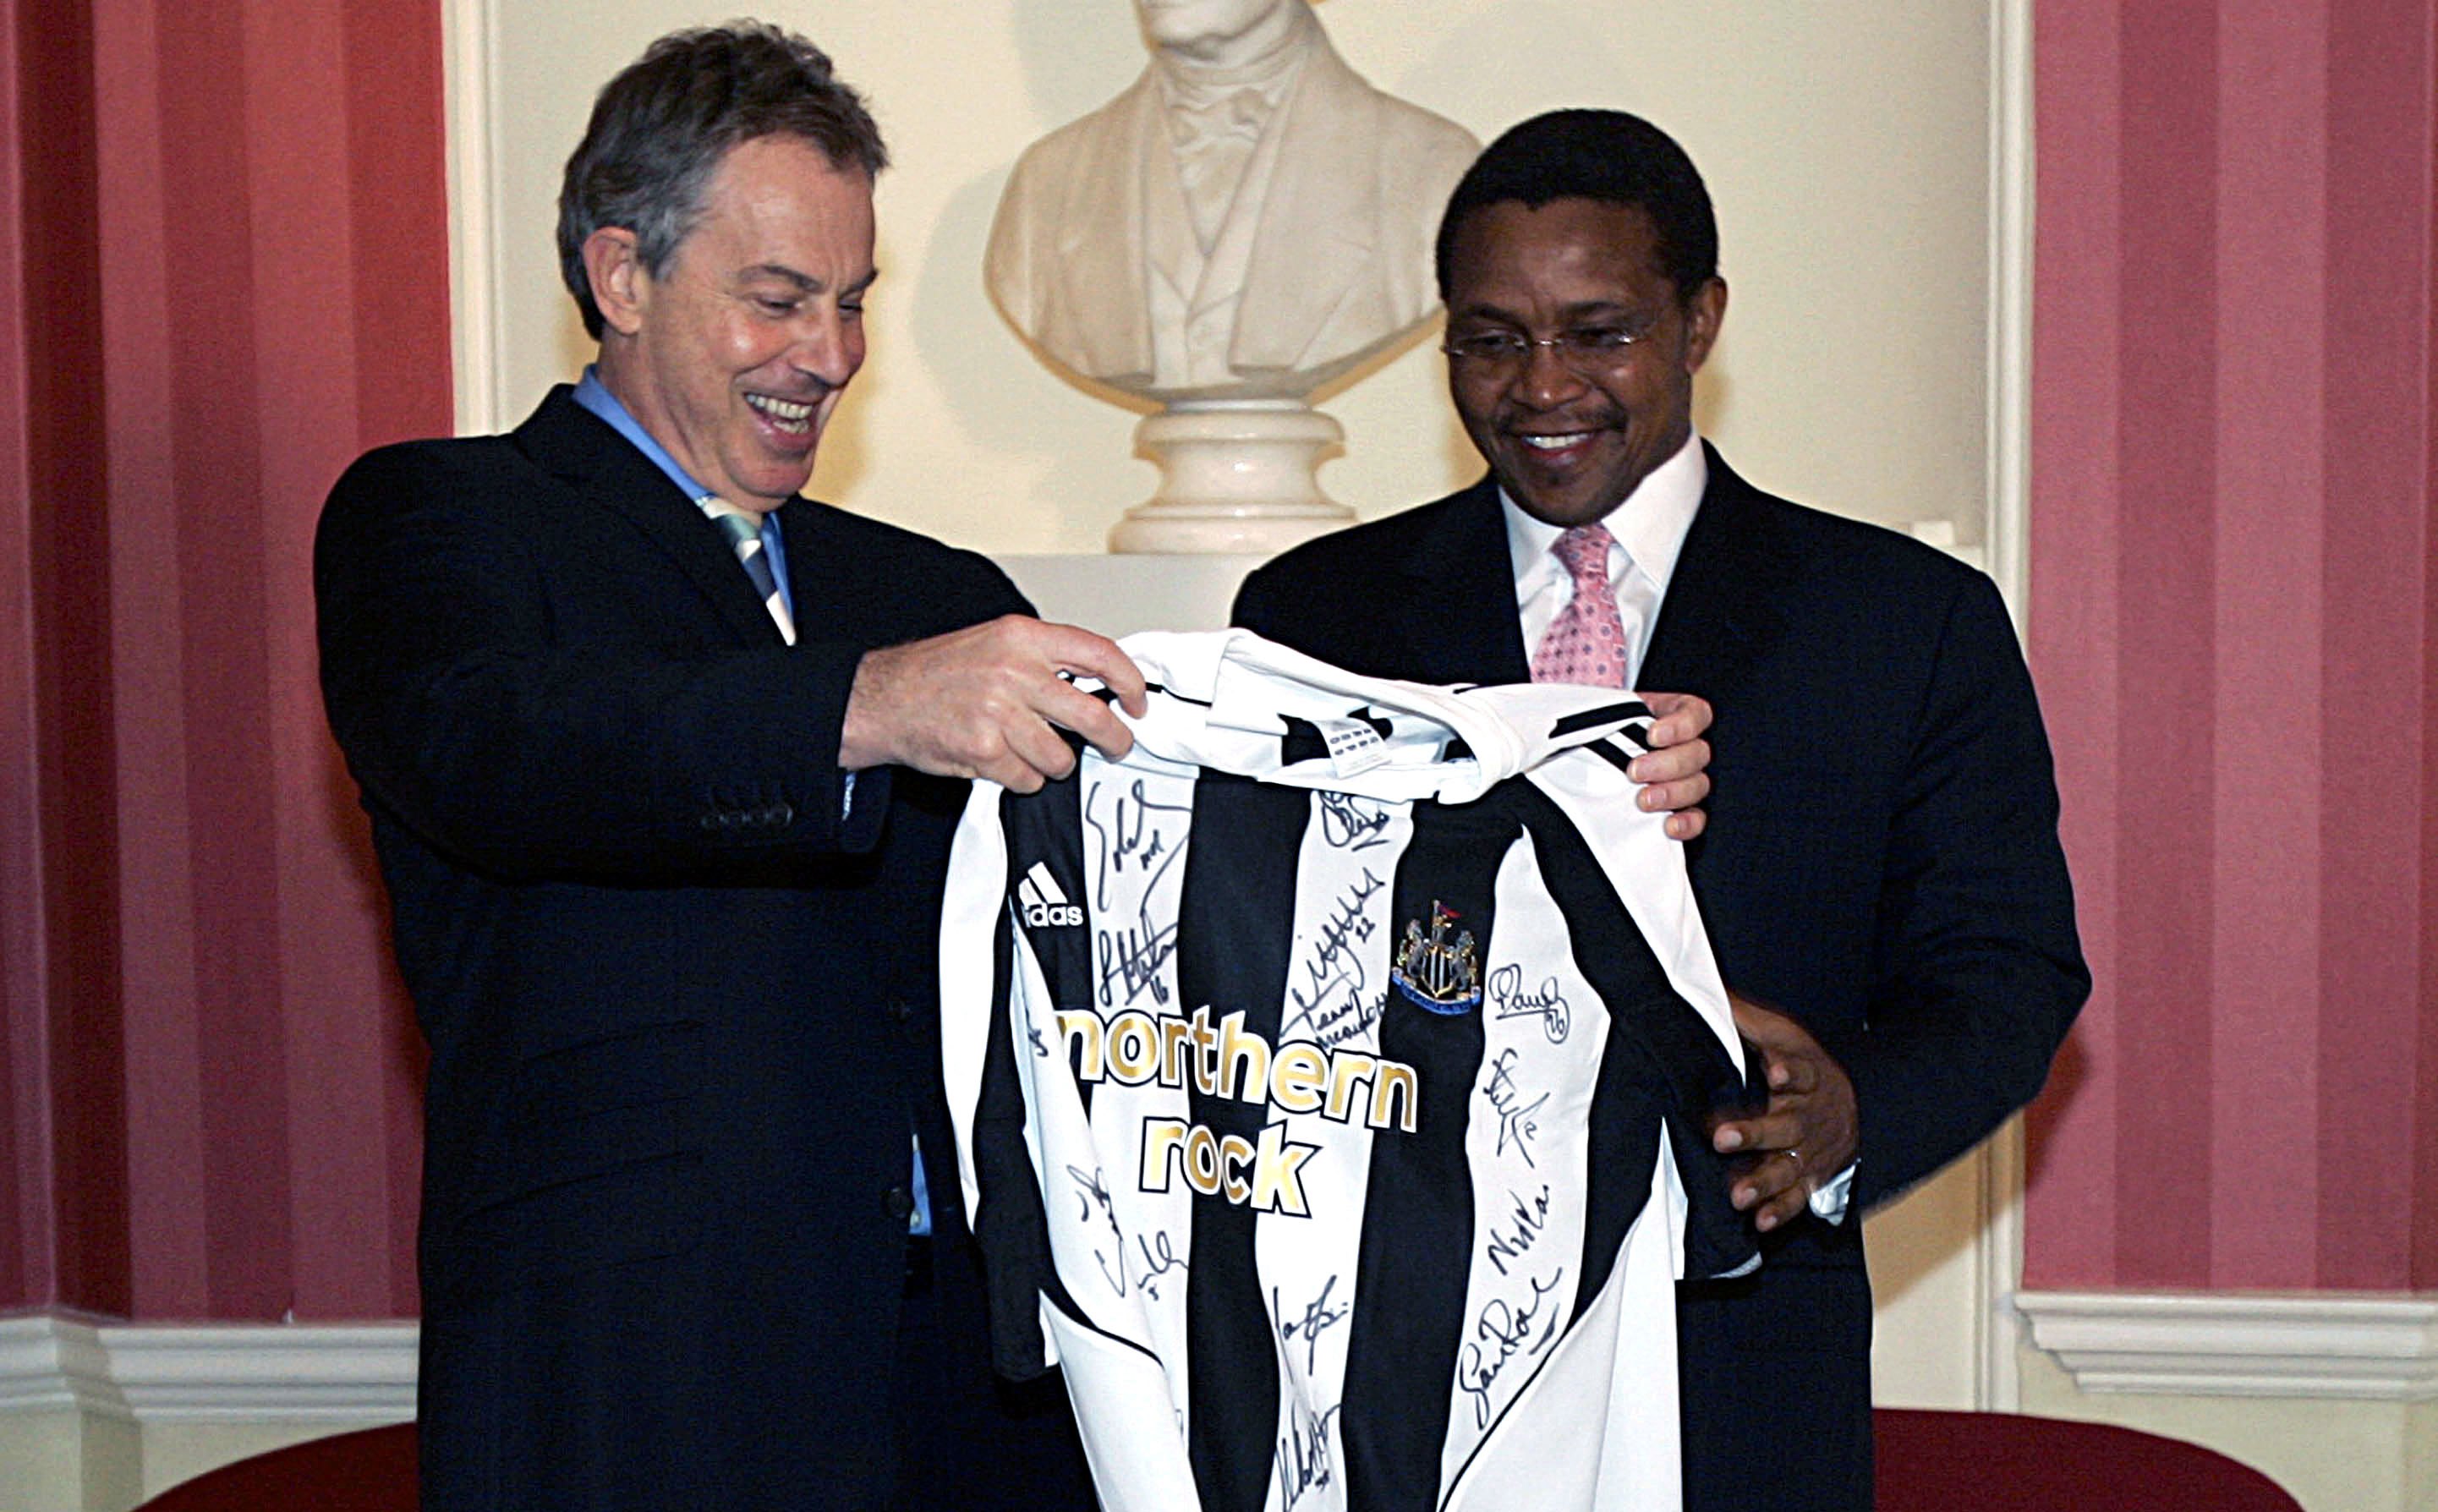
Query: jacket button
x=901 y=1011
x=782 y=815
x=900 y=1204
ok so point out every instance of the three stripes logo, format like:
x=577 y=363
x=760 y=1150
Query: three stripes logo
x=1043 y=906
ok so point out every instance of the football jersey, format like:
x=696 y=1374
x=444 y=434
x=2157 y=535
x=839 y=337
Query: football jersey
x=1329 y=1078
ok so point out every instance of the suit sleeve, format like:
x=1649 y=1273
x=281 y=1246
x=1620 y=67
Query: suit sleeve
x=1978 y=971
x=471 y=716
x=1257 y=608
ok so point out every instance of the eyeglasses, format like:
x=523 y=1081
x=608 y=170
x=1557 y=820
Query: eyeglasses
x=1583 y=348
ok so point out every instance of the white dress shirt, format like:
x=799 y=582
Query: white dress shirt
x=1648 y=529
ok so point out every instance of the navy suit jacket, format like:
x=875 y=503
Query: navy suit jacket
x=1881 y=862
x=681 y=1013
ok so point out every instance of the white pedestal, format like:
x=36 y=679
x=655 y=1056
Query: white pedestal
x=1235 y=477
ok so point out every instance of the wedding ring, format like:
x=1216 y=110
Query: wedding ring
x=1794 y=1154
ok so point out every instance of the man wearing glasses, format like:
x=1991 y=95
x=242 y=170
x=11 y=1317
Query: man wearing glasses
x=1880 y=863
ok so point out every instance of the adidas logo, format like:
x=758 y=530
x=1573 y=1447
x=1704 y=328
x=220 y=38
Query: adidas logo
x=1043 y=906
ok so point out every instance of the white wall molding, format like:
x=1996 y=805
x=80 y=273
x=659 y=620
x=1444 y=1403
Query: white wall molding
x=469 y=40
x=2009 y=354
x=1997 y=1384
x=2007 y=547
x=208 y=1372
x=51 y=1364
x=2367 y=1349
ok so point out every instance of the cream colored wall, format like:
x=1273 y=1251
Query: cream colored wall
x=63 y=1460
x=1845 y=142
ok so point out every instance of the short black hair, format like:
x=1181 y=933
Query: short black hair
x=1595 y=154
x=660 y=129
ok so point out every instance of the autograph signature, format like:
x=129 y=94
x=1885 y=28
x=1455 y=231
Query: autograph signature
x=1315 y=1322
x=1526 y=1219
x=1351 y=823
x=1504 y=1331
x=1158 y=1261
x=1302 y=1456
x=1510 y=1000
x=1159 y=1251
x=1519 y=1122
x=1335 y=963
x=1339 y=1023
x=1093 y=1191
x=1131 y=959
x=1133 y=835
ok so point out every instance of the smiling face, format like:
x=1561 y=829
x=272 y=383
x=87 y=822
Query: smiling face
x=1569 y=438
x=734 y=355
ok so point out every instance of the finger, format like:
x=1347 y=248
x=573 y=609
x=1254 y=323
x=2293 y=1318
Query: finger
x=1785 y=1208
x=1009 y=770
x=1668 y=764
x=1039 y=747
x=1782 y=1127
x=1077 y=650
x=1069 y=707
x=1686 y=824
x=1766 y=1180
x=1681 y=716
x=1682 y=794
x=1793 y=1074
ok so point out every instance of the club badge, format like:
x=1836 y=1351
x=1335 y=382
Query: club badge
x=1438 y=974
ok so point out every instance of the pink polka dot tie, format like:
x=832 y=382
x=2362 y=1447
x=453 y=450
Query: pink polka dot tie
x=1585 y=643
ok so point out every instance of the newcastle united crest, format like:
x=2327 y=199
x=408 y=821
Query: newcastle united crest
x=1438 y=974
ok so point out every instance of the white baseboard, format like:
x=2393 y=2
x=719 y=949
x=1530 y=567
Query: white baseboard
x=2374 y=1349
x=2353 y=1348
x=208 y=1372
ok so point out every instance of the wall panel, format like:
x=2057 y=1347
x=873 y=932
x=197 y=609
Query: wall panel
x=263 y=240
x=2231 y=509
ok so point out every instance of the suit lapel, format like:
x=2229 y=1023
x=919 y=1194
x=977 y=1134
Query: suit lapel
x=609 y=473
x=1458 y=608
x=1727 y=600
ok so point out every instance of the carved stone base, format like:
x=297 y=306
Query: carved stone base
x=1234 y=476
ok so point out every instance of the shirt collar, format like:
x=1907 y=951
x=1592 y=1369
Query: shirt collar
x=1650 y=524
x=594 y=396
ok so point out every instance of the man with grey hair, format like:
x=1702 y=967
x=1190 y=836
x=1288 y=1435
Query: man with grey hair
x=661 y=761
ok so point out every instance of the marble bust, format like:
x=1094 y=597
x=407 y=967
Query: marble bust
x=1248 y=220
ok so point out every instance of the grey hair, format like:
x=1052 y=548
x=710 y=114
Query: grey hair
x=661 y=128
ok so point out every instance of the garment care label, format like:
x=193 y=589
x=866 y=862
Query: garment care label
x=1354 y=746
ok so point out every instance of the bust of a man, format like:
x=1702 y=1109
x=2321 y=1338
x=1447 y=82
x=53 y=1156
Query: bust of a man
x=1248 y=220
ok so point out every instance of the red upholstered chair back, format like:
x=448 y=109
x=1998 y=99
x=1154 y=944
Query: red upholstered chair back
x=1928 y=1462
x=368 y=1472
x=2000 y=1462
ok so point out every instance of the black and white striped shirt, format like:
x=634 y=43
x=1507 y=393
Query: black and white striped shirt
x=1328 y=1077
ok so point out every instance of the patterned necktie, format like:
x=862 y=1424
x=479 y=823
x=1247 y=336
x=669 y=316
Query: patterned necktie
x=1586 y=642
x=743 y=529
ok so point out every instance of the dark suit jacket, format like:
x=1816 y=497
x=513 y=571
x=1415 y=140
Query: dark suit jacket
x=1881 y=862
x=682 y=1013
